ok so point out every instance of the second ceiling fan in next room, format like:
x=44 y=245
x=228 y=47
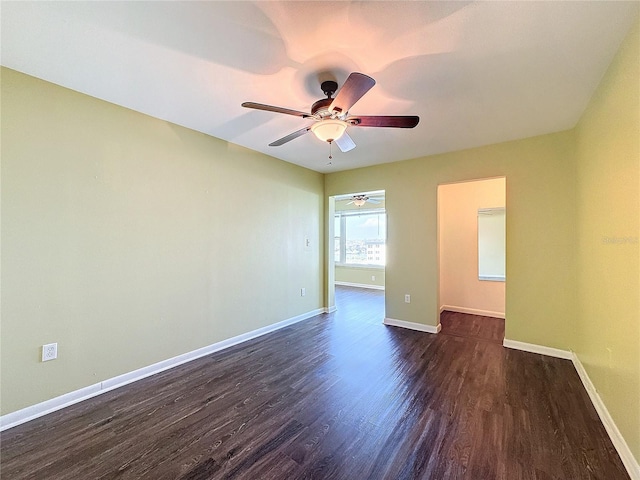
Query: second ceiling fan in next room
x=360 y=200
x=331 y=115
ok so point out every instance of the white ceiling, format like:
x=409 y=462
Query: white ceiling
x=475 y=73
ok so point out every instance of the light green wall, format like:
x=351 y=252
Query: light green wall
x=128 y=240
x=360 y=275
x=608 y=152
x=541 y=220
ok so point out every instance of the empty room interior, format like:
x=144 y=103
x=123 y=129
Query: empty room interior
x=258 y=240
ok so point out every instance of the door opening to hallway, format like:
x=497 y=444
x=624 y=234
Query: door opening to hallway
x=472 y=251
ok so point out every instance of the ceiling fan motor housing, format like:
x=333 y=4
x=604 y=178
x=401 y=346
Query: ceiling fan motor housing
x=321 y=107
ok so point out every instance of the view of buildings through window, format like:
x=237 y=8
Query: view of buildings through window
x=360 y=237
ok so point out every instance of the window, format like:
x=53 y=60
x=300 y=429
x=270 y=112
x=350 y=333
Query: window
x=491 y=244
x=360 y=237
x=337 y=237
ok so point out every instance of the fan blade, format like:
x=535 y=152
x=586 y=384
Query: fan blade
x=371 y=200
x=345 y=143
x=353 y=89
x=270 y=108
x=350 y=202
x=384 y=121
x=291 y=136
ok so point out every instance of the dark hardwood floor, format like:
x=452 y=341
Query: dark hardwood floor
x=338 y=396
x=472 y=326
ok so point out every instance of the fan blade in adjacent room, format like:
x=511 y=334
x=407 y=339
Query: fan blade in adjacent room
x=353 y=89
x=345 y=143
x=271 y=108
x=291 y=136
x=384 y=121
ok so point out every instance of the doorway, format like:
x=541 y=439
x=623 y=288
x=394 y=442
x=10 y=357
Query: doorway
x=357 y=239
x=472 y=247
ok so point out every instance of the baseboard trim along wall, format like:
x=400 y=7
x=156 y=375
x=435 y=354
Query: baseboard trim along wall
x=360 y=285
x=541 y=349
x=472 y=311
x=629 y=461
x=32 y=412
x=412 y=326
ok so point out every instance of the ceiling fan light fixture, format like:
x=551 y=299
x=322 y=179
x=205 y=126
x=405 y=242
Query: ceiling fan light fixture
x=329 y=130
x=359 y=202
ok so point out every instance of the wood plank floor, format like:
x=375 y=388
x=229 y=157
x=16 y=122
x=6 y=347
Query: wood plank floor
x=472 y=326
x=338 y=396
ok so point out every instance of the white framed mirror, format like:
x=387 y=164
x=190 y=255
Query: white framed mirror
x=492 y=244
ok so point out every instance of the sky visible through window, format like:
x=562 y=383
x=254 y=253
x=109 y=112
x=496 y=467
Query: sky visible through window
x=366 y=227
x=360 y=238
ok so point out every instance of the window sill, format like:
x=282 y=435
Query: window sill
x=360 y=265
x=492 y=278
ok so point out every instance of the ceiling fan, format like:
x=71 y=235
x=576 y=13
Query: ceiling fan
x=360 y=200
x=332 y=117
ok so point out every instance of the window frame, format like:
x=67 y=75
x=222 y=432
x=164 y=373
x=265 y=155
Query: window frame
x=486 y=248
x=343 y=214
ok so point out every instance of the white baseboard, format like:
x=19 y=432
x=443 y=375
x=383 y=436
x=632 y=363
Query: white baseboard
x=472 y=311
x=38 y=410
x=629 y=461
x=541 y=349
x=330 y=309
x=412 y=326
x=360 y=285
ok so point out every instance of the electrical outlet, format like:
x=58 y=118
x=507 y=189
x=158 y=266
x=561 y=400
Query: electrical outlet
x=303 y=292
x=49 y=352
x=407 y=298
x=373 y=278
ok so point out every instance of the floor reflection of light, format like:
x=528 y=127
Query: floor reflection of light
x=368 y=359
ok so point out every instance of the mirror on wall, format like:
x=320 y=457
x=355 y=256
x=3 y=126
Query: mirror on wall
x=491 y=244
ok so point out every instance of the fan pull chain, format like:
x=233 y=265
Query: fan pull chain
x=330 y=156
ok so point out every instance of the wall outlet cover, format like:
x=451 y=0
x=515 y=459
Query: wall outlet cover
x=49 y=352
